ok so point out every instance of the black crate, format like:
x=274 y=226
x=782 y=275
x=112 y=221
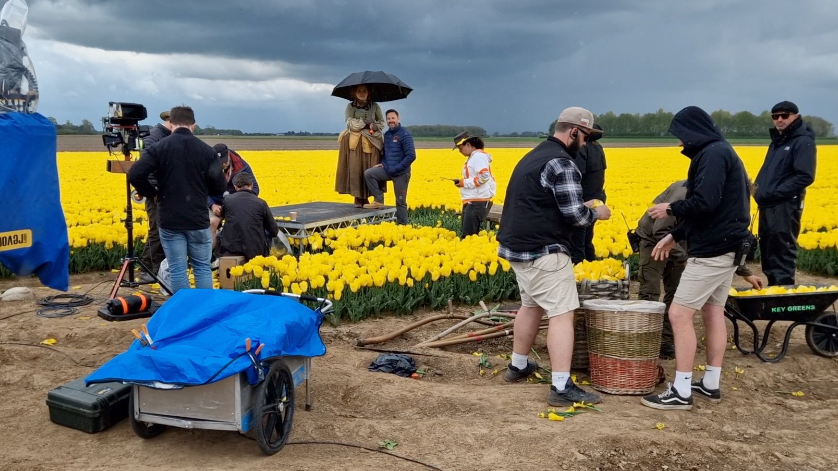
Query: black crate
x=91 y=408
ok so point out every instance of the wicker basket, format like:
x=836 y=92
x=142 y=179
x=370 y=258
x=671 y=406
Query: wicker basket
x=624 y=339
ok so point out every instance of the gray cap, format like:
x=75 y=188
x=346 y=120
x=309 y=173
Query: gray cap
x=579 y=117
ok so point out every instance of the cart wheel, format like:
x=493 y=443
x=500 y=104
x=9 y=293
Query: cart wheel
x=821 y=340
x=275 y=406
x=142 y=429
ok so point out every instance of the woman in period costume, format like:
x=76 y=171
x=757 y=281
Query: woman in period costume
x=360 y=145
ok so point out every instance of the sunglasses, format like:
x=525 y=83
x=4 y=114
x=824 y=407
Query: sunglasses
x=776 y=116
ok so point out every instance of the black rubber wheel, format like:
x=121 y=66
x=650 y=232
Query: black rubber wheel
x=274 y=408
x=823 y=341
x=142 y=429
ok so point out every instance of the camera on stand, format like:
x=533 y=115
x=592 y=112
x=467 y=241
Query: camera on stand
x=122 y=129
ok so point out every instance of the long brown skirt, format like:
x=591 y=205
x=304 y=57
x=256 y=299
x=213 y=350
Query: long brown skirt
x=351 y=167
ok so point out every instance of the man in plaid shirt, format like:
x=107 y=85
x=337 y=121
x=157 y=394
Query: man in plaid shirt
x=542 y=206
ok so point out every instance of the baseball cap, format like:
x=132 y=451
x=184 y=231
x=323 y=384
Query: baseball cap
x=164 y=115
x=576 y=116
x=220 y=150
x=785 y=106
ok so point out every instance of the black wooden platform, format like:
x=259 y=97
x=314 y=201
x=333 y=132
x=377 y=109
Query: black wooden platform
x=320 y=216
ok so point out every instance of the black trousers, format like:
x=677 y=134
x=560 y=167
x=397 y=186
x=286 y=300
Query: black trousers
x=474 y=215
x=582 y=244
x=152 y=255
x=779 y=227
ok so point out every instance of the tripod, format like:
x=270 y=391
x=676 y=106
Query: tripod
x=130 y=260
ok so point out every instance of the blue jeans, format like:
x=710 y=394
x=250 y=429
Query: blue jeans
x=197 y=245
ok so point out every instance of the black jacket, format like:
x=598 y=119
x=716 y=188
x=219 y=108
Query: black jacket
x=187 y=171
x=714 y=216
x=246 y=218
x=591 y=162
x=789 y=165
x=156 y=134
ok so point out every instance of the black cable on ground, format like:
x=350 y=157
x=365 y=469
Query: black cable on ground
x=377 y=450
x=56 y=306
x=50 y=349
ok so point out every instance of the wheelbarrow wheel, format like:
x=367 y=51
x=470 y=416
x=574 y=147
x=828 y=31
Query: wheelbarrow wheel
x=275 y=408
x=142 y=429
x=824 y=341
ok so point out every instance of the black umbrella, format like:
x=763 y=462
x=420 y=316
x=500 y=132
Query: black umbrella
x=383 y=86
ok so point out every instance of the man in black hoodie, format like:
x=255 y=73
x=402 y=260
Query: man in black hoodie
x=713 y=219
x=781 y=183
x=591 y=163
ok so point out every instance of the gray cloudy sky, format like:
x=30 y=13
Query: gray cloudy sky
x=270 y=65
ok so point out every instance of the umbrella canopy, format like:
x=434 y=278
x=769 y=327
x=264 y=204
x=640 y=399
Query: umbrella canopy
x=383 y=86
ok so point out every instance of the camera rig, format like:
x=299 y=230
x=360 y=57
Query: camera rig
x=122 y=129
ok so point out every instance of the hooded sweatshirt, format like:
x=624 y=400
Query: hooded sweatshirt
x=789 y=165
x=715 y=214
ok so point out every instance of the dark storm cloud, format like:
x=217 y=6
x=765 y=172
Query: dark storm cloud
x=505 y=65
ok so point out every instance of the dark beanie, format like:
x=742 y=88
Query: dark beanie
x=785 y=106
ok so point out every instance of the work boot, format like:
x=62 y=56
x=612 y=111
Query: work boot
x=374 y=205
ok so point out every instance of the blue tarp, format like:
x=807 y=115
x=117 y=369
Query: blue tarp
x=198 y=332
x=33 y=232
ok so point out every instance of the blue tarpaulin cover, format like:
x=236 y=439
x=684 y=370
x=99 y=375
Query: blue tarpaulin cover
x=33 y=233
x=198 y=332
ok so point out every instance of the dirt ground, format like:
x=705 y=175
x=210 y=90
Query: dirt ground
x=453 y=418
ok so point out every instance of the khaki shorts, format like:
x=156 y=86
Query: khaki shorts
x=705 y=281
x=547 y=282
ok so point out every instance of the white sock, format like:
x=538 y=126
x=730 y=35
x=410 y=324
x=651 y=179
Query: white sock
x=560 y=380
x=682 y=383
x=519 y=361
x=711 y=377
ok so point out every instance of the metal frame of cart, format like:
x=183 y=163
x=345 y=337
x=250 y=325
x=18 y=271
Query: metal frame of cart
x=807 y=309
x=233 y=404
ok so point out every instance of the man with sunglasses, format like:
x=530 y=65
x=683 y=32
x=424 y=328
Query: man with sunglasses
x=543 y=205
x=781 y=183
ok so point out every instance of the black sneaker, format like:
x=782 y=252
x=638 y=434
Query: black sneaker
x=712 y=395
x=513 y=374
x=668 y=400
x=572 y=393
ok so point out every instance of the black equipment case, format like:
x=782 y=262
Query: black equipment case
x=91 y=408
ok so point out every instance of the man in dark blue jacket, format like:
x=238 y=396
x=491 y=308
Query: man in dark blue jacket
x=396 y=159
x=781 y=183
x=713 y=219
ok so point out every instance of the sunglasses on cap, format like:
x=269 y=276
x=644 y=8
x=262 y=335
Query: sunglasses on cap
x=783 y=115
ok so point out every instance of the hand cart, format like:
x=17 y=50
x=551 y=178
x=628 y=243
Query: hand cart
x=807 y=309
x=266 y=408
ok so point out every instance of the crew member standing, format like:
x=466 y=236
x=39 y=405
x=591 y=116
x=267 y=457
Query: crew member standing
x=153 y=255
x=543 y=203
x=591 y=163
x=477 y=186
x=781 y=183
x=187 y=171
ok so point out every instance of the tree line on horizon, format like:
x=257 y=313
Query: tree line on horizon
x=742 y=124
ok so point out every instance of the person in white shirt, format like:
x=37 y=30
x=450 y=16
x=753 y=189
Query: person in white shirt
x=477 y=187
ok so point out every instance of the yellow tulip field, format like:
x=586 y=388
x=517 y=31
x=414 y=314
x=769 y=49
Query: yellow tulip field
x=427 y=262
